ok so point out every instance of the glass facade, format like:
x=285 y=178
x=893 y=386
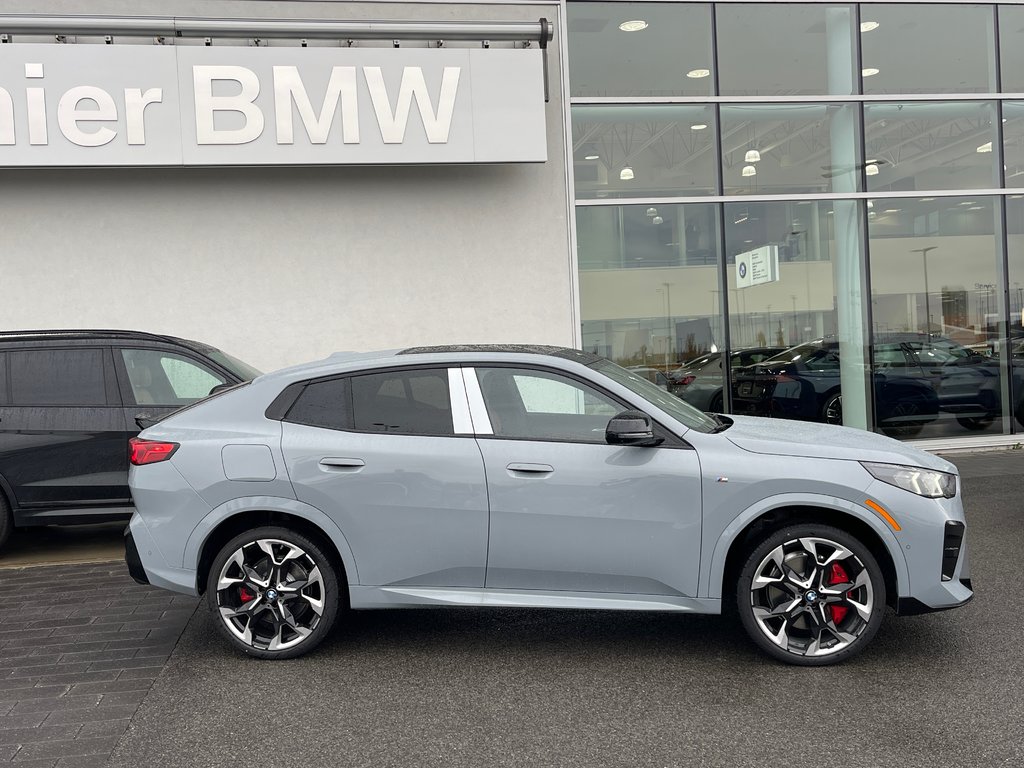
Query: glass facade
x=806 y=210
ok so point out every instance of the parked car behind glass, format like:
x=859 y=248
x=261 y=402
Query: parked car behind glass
x=68 y=403
x=700 y=381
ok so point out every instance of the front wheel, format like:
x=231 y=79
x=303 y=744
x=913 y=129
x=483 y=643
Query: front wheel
x=832 y=410
x=811 y=595
x=273 y=592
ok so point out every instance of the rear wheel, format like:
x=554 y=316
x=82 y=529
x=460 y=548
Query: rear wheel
x=273 y=592
x=975 y=423
x=811 y=595
x=903 y=423
x=832 y=410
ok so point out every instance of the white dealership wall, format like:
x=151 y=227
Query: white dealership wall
x=286 y=264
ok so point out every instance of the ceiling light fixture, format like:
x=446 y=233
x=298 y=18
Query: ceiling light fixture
x=592 y=157
x=870 y=205
x=749 y=170
x=871 y=170
x=869 y=71
x=869 y=26
x=696 y=74
x=752 y=156
x=986 y=147
x=927 y=199
x=976 y=208
x=698 y=127
x=652 y=211
x=893 y=210
x=633 y=26
x=657 y=220
x=626 y=173
x=743 y=217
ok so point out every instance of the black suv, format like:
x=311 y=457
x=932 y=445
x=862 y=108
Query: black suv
x=68 y=405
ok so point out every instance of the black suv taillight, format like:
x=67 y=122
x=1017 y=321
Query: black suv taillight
x=951 y=548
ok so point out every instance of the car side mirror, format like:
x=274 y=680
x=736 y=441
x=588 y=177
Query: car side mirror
x=631 y=428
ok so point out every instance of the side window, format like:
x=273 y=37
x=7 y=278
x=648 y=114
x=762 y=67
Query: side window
x=3 y=377
x=165 y=378
x=537 y=405
x=413 y=402
x=323 y=404
x=888 y=356
x=57 y=377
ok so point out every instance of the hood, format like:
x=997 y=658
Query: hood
x=783 y=437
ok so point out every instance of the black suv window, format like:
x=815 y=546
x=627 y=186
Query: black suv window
x=57 y=377
x=158 y=377
x=413 y=402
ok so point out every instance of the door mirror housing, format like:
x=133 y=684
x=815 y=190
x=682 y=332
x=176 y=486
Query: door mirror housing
x=631 y=428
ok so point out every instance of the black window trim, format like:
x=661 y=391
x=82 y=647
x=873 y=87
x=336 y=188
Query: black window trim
x=282 y=404
x=672 y=440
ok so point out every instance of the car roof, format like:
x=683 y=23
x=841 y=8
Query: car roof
x=340 y=362
x=87 y=334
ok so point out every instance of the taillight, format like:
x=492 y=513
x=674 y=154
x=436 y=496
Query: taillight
x=782 y=378
x=687 y=380
x=150 y=451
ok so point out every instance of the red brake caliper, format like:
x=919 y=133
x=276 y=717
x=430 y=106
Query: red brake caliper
x=837 y=575
x=245 y=594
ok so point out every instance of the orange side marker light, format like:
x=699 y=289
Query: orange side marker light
x=881 y=510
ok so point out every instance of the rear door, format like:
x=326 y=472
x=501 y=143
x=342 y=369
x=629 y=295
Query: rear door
x=63 y=432
x=390 y=456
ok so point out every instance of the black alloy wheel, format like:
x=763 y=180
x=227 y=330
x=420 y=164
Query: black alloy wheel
x=273 y=592
x=832 y=410
x=811 y=595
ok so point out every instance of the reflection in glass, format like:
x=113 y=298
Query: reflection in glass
x=789 y=148
x=931 y=145
x=936 y=48
x=795 y=280
x=670 y=56
x=784 y=49
x=1015 y=330
x=649 y=283
x=1011 y=52
x=1013 y=142
x=641 y=151
x=936 y=313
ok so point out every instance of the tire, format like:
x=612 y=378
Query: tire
x=975 y=423
x=901 y=423
x=255 y=607
x=6 y=521
x=832 y=410
x=791 y=613
x=716 y=404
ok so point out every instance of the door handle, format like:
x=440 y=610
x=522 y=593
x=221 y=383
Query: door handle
x=330 y=463
x=530 y=469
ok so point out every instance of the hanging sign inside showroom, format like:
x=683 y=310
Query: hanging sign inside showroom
x=121 y=105
x=758 y=266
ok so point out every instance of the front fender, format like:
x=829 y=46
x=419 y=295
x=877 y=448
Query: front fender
x=711 y=581
x=229 y=509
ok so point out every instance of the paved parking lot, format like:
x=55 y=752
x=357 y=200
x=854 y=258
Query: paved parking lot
x=504 y=688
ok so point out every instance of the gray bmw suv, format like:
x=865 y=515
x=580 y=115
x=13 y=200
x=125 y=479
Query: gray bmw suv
x=534 y=477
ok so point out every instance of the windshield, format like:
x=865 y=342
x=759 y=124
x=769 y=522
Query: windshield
x=700 y=362
x=243 y=371
x=795 y=354
x=670 y=404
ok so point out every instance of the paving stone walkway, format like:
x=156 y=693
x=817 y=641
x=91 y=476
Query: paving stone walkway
x=80 y=646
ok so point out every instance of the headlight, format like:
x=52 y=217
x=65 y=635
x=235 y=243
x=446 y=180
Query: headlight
x=924 y=482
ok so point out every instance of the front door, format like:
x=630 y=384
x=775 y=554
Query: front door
x=570 y=512
x=379 y=454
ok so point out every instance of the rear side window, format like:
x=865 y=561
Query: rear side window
x=57 y=377
x=165 y=378
x=323 y=404
x=403 y=402
x=3 y=377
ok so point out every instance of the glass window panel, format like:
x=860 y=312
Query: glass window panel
x=670 y=56
x=795 y=273
x=936 y=298
x=1011 y=52
x=643 y=151
x=1013 y=142
x=1014 y=336
x=326 y=404
x=402 y=402
x=789 y=148
x=930 y=145
x=783 y=49
x=947 y=48
x=57 y=377
x=649 y=283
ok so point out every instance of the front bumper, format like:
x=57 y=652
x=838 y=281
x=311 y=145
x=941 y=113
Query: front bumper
x=911 y=606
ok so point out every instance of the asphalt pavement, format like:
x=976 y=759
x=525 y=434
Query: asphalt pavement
x=477 y=687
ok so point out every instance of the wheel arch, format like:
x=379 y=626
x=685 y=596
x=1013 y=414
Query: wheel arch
x=226 y=522
x=747 y=530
